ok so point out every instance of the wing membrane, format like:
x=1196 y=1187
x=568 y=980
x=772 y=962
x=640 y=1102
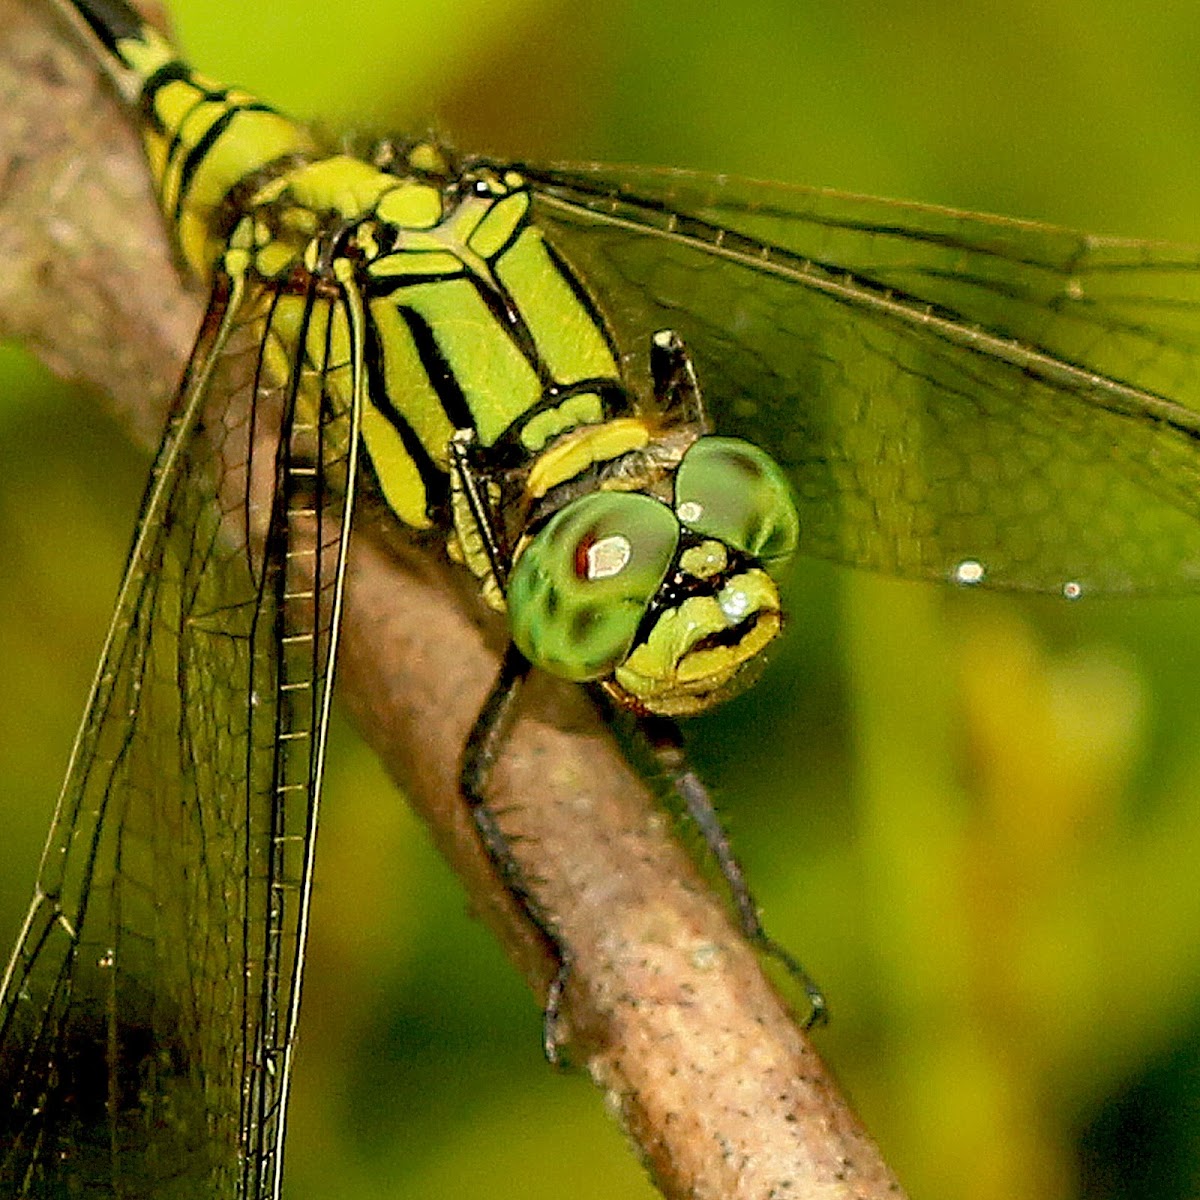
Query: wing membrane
x=149 y=1006
x=943 y=388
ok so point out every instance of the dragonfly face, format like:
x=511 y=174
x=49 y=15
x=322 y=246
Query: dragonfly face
x=674 y=600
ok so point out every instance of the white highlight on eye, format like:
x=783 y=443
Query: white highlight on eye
x=735 y=604
x=969 y=572
x=690 y=511
x=1072 y=589
x=609 y=556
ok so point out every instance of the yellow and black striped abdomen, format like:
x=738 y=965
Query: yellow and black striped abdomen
x=202 y=140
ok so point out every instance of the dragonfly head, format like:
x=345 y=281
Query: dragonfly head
x=670 y=604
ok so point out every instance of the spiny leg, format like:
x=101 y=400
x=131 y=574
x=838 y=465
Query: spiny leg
x=484 y=747
x=674 y=377
x=485 y=744
x=662 y=739
x=462 y=446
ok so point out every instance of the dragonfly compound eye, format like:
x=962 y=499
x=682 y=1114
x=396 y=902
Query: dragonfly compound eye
x=578 y=593
x=728 y=489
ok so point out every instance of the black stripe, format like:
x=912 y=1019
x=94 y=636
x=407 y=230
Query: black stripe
x=512 y=321
x=437 y=369
x=583 y=296
x=505 y=315
x=198 y=152
x=432 y=476
x=389 y=285
x=171 y=72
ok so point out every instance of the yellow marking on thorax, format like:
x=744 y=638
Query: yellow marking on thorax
x=565 y=333
x=584 y=408
x=496 y=379
x=408 y=384
x=399 y=479
x=486 y=232
x=341 y=184
x=412 y=205
x=416 y=262
x=580 y=449
x=476 y=228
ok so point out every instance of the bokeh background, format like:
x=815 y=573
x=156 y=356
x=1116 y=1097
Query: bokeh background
x=976 y=818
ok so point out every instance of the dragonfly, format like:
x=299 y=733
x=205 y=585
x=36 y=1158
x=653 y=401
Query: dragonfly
x=616 y=393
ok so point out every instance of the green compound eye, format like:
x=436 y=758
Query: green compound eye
x=581 y=588
x=730 y=490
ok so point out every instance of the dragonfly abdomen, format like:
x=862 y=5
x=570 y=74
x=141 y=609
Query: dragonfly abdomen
x=202 y=140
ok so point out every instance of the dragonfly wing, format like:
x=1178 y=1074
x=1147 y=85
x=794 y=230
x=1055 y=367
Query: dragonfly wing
x=953 y=395
x=148 y=1008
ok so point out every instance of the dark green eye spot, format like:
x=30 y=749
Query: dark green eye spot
x=728 y=489
x=580 y=588
x=583 y=622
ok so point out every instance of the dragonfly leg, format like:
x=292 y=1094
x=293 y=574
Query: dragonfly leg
x=483 y=748
x=483 y=515
x=676 y=388
x=663 y=739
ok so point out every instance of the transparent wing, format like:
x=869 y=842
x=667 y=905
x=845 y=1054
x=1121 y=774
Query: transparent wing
x=943 y=388
x=148 y=1009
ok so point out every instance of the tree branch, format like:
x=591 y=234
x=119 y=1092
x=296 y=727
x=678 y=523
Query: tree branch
x=667 y=1006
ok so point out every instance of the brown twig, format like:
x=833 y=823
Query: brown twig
x=723 y=1095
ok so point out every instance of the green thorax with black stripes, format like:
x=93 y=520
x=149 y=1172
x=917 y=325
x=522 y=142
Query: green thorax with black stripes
x=628 y=544
x=472 y=319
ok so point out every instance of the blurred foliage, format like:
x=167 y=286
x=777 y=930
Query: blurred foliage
x=977 y=818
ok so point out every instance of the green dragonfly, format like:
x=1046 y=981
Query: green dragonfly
x=530 y=361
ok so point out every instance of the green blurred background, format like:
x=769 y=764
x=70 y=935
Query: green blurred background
x=976 y=818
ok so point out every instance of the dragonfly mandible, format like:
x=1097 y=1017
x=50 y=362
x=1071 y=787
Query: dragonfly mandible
x=992 y=325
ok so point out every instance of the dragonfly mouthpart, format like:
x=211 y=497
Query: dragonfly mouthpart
x=702 y=651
